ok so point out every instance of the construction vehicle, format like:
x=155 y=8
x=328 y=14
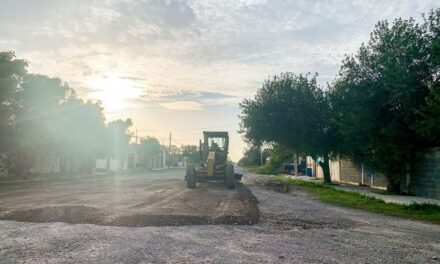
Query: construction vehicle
x=214 y=163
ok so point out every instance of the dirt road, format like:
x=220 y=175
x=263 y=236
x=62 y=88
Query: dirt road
x=140 y=199
x=293 y=228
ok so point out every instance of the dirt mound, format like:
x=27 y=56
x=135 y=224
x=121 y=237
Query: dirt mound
x=176 y=220
x=68 y=214
x=190 y=207
x=249 y=216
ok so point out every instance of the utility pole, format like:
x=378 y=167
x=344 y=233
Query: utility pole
x=136 y=136
x=169 y=152
x=164 y=154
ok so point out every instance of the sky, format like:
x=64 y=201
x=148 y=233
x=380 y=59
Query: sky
x=181 y=67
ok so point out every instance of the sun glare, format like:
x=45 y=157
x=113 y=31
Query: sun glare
x=113 y=91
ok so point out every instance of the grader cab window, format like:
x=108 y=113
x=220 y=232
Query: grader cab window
x=216 y=143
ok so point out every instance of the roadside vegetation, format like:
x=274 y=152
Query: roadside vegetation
x=329 y=194
x=382 y=109
x=41 y=116
x=271 y=161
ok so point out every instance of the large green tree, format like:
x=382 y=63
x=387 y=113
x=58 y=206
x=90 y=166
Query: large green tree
x=378 y=96
x=428 y=124
x=293 y=111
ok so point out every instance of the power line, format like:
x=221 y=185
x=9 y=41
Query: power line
x=204 y=128
x=399 y=50
x=359 y=22
x=191 y=129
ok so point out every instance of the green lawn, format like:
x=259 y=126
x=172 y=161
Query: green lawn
x=331 y=195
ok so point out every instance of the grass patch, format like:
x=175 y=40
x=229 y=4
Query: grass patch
x=385 y=192
x=331 y=195
x=263 y=170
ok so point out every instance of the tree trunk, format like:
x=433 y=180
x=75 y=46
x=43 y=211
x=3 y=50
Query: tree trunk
x=393 y=185
x=394 y=178
x=326 y=169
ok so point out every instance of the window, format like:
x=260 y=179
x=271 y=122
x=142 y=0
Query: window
x=216 y=143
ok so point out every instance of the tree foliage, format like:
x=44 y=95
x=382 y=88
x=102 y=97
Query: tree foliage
x=191 y=151
x=384 y=99
x=293 y=111
x=12 y=71
x=428 y=124
x=383 y=108
x=278 y=155
x=148 y=148
x=41 y=116
x=251 y=156
x=118 y=137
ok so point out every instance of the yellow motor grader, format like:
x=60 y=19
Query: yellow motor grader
x=214 y=163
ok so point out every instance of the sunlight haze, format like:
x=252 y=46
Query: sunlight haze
x=182 y=67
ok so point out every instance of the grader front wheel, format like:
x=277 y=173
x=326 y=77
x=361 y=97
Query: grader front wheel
x=230 y=177
x=191 y=179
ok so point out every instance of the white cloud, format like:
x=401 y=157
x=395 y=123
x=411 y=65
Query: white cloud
x=182 y=106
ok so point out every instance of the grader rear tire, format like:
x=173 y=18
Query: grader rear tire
x=191 y=179
x=230 y=177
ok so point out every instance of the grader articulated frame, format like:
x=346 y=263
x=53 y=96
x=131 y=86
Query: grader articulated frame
x=214 y=163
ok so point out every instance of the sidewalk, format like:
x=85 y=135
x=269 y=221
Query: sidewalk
x=302 y=177
x=399 y=199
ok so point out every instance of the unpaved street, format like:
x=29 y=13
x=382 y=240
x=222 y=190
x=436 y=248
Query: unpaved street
x=293 y=228
x=138 y=199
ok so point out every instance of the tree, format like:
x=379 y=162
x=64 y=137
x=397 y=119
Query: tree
x=292 y=111
x=428 y=123
x=251 y=156
x=12 y=72
x=42 y=116
x=191 y=151
x=278 y=155
x=118 y=137
x=376 y=98
x=82 y=133
x=36 y=111
x=148 y=148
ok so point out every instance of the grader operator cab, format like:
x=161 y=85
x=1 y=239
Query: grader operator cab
x=214 y=163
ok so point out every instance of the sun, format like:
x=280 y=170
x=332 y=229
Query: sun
x=114 y=92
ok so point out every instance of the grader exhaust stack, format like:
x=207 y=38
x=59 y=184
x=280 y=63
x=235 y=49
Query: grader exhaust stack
x=214 y=164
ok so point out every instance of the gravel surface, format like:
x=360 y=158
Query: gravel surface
x=140 y=199
x=293 y=228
